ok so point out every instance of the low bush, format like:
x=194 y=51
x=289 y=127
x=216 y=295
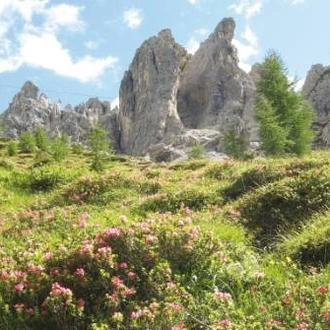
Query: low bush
x=286 y=203
x=171 y=202
x=44 y=178
x=96 y=189
x=310 y=245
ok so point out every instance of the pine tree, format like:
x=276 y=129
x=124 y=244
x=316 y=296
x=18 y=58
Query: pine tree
x=27 y=143
x=60 y=147
x=283 y=115
x=99 y=145
x=42 y=139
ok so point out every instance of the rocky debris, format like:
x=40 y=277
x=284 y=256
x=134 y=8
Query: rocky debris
x=148 y=106
x=182 y=144
x=30 y=109
x=316 y=90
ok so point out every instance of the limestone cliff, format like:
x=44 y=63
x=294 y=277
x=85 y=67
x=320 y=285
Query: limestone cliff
x=30 y=109
x=316 y=89
x=148 y=106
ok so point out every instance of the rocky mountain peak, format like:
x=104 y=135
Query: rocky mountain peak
x=166 y=34
x=224 y=31
x=170 y=98
x=29 y=90
x=148 y=110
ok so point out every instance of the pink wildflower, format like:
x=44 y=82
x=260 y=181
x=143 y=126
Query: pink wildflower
x=48 y=256
x=323 y=289
x=82 y=220
x=221 y=295
x=19 y=287
x=30 y=311
x=179 y=326
x=302 y=326
x=81 y=303
x=116 y=281
x=299 y=313
x=19 y=307
x=131 y=275
x=136 y=315
x=80 y=271
x=224 y=323
x=176 y=307
x=112 y=232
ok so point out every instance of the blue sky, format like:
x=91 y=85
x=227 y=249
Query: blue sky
x=74 y=50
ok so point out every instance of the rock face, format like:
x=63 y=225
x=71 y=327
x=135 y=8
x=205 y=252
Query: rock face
x=148 y=105
x=213 y=90
x=30 y=109
x=166 y=93
x=316 y=89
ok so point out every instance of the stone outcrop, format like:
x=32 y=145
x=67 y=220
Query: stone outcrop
x=316 y=90
x=213 y=91
x=148 y=105
x=30 y=109
x=166 y=93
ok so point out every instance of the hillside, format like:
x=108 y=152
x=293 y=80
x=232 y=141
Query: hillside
x=187 y=245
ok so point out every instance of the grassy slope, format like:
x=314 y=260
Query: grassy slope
x=270 y=216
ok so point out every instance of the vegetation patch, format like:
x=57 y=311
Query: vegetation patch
x=286 y=203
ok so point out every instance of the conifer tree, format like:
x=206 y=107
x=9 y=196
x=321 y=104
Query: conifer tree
x=99 y=145
x=42 y=139
x=284 y=116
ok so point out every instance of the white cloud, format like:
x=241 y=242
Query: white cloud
x=299 y=84
x=295 y=2
x=202 y=32
x=64 y=15
x=193 y=2
x=46 y=51
x=26 y=8
x=247 y=49
x=133 y=18
x=247 y=44
x=192 y=45
x=92 y=44
x=248 y=8
x=115 y=103
x=39 y=45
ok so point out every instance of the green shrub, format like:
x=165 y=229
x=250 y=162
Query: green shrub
x=77 y=148
x=234 y=145
x=286 y=203
x=97 y=189
x=42 y=139
x=196 y=152
x=99 y=146
x=171 y=202
x=310 y=245
x=60 y=147
x=44 y=178
x=27 y=143
x=42 y=158
x=12 y=148
x=6 y=164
